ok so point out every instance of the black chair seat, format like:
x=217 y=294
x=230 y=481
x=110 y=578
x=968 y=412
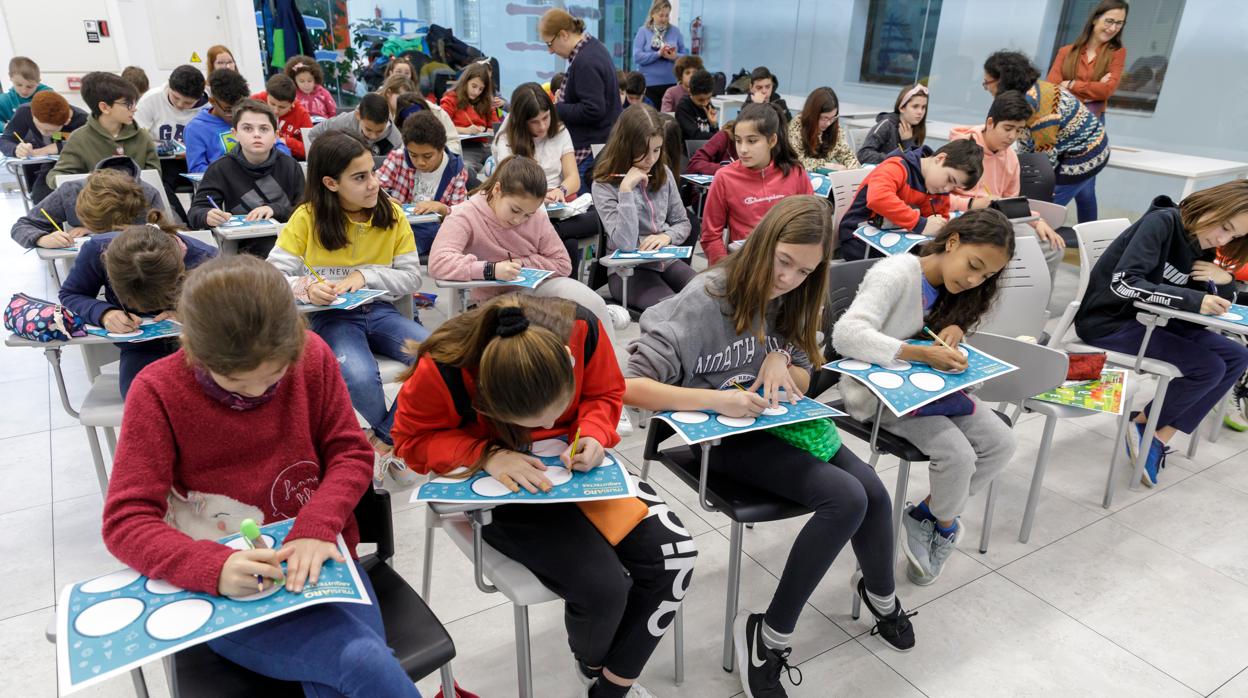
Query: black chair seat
x=886 y=441
x=738 y=501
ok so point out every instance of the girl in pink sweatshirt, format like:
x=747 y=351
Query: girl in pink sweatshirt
x=502 y=227
x=767 y=171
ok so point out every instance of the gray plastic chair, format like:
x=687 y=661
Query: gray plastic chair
x=1021 y=308
x=844 y=186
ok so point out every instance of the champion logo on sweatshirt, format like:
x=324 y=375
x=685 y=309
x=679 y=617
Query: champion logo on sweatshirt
x=751 y=200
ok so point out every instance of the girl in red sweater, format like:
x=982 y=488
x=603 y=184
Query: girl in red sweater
x=472 y=107
x=493 y=385
x=292 y=448
x=767 y=171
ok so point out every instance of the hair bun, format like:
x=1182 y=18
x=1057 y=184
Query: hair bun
x=511 y=322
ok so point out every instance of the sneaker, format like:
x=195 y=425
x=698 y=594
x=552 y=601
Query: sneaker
x=639 y=691
x=941 y=549
x=403 y=475
x=893 y=628
x=625 y=427
x=1133 y=444
x=1234 y=417
x=619 y=316
x=758 y=665
x=918 y=543
x=1155 y=462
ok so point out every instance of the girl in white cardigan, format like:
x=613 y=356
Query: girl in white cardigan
x=948 y=288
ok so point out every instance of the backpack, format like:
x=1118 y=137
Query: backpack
x=444 y=47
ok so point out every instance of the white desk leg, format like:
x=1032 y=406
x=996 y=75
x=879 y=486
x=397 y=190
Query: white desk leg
x=1189 y=186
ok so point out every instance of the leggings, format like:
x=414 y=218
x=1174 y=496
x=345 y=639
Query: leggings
x=849 y=504
x=618 y=600
x=649 y=286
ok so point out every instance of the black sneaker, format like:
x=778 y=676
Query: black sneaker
x=757 y=664
x=894 y=628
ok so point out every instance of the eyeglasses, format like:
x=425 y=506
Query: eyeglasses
x=1115 y=22
x=986 y=83
x=127 y=103
x=550 y=44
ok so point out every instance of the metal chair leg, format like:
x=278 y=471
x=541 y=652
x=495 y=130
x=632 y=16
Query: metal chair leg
x=448 y=681
x=1123 y=423
x=855 y=610
x=524 y=655
x=1037 y=479
x=678 y=643
x=989 y=507
x=1150 y=429
x=140 y=684
x=426 y=577
x=171 y=675
x=734 y=590
x=899 y=502
x=110 y=437
x=97 y=459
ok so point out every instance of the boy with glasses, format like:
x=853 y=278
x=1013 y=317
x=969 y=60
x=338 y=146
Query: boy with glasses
x=109 y=131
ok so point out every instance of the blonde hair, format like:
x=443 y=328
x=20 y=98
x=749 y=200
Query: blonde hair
x=655 y=7
x=1213 y=207
x=109 y=200
x=558 y=20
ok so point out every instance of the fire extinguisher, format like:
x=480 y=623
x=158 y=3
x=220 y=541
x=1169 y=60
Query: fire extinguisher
x=695 y=36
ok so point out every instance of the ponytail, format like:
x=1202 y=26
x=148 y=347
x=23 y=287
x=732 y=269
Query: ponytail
x=557 y=20
x=145 y=266
x=516 y=175
x=766 y=118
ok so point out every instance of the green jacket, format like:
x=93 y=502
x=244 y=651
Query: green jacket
x=91 y=143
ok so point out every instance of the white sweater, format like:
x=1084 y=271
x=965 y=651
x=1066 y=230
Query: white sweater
x=163 y=120
x=887 y=310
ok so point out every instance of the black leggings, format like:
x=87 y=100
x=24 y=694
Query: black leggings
x=849 y=504
x=618 y=600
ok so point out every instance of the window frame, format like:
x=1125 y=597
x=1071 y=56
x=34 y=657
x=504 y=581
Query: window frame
x=924 y=64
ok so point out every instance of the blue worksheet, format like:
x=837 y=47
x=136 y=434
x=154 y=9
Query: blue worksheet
x=702 y=179
x=33 y=160
x=111 y=624
x=1238 y=314
x=194 y=176
x=822 y=184
x=148 y=330
x=239 y=222
x=696 y=427
x=890 y=242
x=668 y=252
x=905 y=386
x=607 y=481
x=351 y=300
x=409 y=210
x=529 y=278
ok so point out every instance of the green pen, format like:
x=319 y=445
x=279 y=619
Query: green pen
x=251 y=535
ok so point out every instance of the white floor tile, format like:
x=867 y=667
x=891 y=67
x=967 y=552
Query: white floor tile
x=29 y=554
x=1235 y=688
x=24 y=471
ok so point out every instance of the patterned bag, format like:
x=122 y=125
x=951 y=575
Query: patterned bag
x=43 y=321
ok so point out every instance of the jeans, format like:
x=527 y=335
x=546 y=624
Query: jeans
x=585 y=168
x=1084 y=194
x=334 y=649
x=354 y=335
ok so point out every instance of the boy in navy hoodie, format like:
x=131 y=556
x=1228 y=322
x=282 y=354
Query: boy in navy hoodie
x=425 y=173
x=211 y=133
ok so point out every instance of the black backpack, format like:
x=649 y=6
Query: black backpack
x=446 y=48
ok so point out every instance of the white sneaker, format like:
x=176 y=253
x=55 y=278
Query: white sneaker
x=639 y=691
x=619 y=316
x=625 y=427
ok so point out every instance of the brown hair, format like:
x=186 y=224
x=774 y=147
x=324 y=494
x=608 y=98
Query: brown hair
x=1070 y=65
x=109 y=200
x=517 y=345
x=304 y=64
x=796 y=220
x=1215 y=206
x=629 y=142
x=330 y=156
x=816 y=143
x=557 y=20
x=920 y=129
x=484 y=104
x=145 y=266
x=397 y=61
x=516 y=175
x=137 y=77
x=985 y=226
x=655 y=7
x=236 y=313
x=528 y=101
x=217 y=50
x=686 y=62
x=24 y=67
x=50 y=108
x=397 y=85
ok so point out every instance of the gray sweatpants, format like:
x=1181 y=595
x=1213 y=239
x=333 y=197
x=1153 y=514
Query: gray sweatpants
x=966 y=453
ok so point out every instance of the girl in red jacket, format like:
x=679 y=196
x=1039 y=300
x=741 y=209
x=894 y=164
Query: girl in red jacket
x=744 y=191
x=496 y=384
x=224 y=430
x=472 y=107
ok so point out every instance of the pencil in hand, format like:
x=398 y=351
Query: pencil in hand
x=936 y=337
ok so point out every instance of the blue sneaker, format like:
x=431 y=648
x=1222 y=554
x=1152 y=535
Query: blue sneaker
x=1133 y=445
x=1155 y=462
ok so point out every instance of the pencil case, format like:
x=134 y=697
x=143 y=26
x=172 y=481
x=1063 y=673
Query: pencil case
x=1085 y=366
x=42 y=321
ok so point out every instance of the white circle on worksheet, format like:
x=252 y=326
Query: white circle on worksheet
x=887 y=381
x=107 y=617
x=896 y=365
x=160 y=586
x=451 y=478
x=776 y=411
x=147 y=321
x=889 y=239
x=853 y=365
x=1230 y=316
x=179 y=619
x=630 y=255
x=914 y=236
x=929 y=382
x=607 y=460
x=663 y=255
x=240 y=543
x=735 y=421
x=125 y=335
x=109 y=582
x=256 y=596
x=489 y=487
x=816 y=182
x=548 y=447
x=558 y=474
x=338 y=301
x=690 y=417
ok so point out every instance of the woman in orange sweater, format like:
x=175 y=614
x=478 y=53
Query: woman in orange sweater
x=1091 y=67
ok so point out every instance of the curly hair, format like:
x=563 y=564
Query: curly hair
x=1013 y=69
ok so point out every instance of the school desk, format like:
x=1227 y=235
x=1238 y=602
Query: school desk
x=15 y=166
x=227 y=238
x=1189 y=168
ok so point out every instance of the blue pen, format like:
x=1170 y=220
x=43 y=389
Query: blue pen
x=214 y=203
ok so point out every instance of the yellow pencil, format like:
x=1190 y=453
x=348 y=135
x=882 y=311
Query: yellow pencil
x=575 y=439
x=54 y=225
x=309 y=268
x=738 y=387
x=936 y=337
x=19 y=137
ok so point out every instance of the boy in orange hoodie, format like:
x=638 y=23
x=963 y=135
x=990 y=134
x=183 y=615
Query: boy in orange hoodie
x=1006 y=118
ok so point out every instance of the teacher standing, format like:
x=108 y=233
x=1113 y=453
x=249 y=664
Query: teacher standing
x=655 y=49
x=588 y=101
x=1090 y=69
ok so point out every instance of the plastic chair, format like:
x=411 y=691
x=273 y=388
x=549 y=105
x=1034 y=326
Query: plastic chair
x=1021 y=307
x=844 y=186
x=420 y=642
x=1094 y=237
x=844 y=278
x=509 y=577
x=692 y=147
x=1049 y=212
x=1036 y=177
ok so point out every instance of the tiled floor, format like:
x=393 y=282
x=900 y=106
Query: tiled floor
x=1147 y=599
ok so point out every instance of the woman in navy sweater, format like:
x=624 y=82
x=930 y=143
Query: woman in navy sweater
x=1169 y=257
x=588 y=102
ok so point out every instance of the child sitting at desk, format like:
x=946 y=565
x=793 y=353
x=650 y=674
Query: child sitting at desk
x=370 y=120
x=817 y=137
x=254 y=180
x=266 y=426
x=292 y=118
x=902 y=129
x=717 y=153
x=425 y=173
x=24 y=81
x=471 y=107
x=312 y=93
x=911 y=191
x=110 y=130
x=165 y=111
x=37 y=130
x=1168 y=258
x=111 y=197
x=210 y=134
x=684 y=69
x=139 y=271
x=697 y=118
